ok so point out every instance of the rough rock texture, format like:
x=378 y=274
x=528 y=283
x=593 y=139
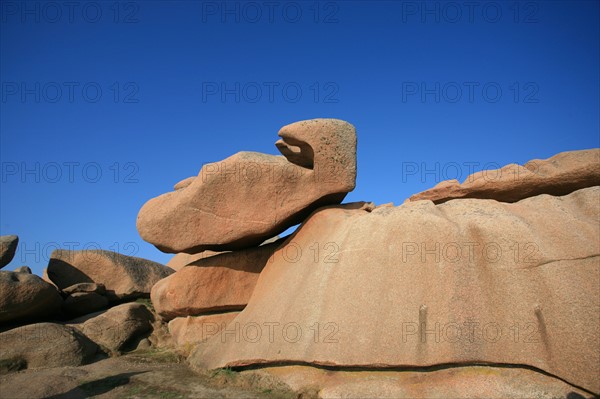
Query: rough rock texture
x=216 y=283
x=85 y=287
x=8 y=247
x=188 y=331
x=464 y=282
x=117 y=326
x=182 y=259
x=249 y=197
x=26 y=297
x=558 y=175
x=44 y=345
x=124 y=277
x=23 y=269
x=81 y=303
x=184 y=183
x=456 y=382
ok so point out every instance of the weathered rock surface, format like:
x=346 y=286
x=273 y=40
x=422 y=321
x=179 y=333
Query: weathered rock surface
x=124 y=277
x=558 y=175
x=23 y=269
x=465 y=282
x=456 y=382
x=188 y=331
x=8 y=247
x=81 y=303
x=249 y=197
x=221 y=282
x=117 y=326
x=26 y=297
x=182 y=259
x=85 y=287
x=44 y=345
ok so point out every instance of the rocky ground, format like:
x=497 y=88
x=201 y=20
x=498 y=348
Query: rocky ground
x=139 y=374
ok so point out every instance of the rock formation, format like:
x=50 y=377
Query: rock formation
x=26 y=297
x=23 y=269
x=124 y=277
x=116 y=327
x=249 y=197
x=8 y=247
x=558 y=175
x=464 y=282
x=486 y=288
x=216 y=283
x=44 y=345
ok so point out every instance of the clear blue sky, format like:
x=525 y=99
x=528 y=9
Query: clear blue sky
x=106 y=105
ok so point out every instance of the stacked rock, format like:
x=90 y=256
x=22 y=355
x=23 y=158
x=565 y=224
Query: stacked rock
x=234 y=205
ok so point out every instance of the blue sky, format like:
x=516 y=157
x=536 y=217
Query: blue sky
x=107 y=104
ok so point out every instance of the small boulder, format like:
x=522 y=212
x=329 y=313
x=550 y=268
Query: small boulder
x=23 y=269
x=85 y=287
x=81 y=303
x=125 y=277
x=26 y=297
x=118 y=326
x=8 y=247
x=44 y=345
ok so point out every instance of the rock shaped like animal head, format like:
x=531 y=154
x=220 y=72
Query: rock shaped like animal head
x=327 y=146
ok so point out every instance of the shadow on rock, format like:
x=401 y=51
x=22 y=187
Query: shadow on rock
x=97 y=387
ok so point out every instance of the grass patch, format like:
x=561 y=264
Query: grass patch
x=153 y=355
x=138 y=391
x=146 y=302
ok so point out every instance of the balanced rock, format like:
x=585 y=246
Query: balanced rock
x=118 y=326
x=220 y=282
x=8 y=247
x=188 y=331
x=44 y=345
x=466 y=282
x=26 y=297
x=249 y=197
x=81 y=303
x=23 y=269
x=124 y=277
x=558 y=175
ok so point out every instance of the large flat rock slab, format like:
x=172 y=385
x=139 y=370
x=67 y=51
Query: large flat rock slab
x=464 y=282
